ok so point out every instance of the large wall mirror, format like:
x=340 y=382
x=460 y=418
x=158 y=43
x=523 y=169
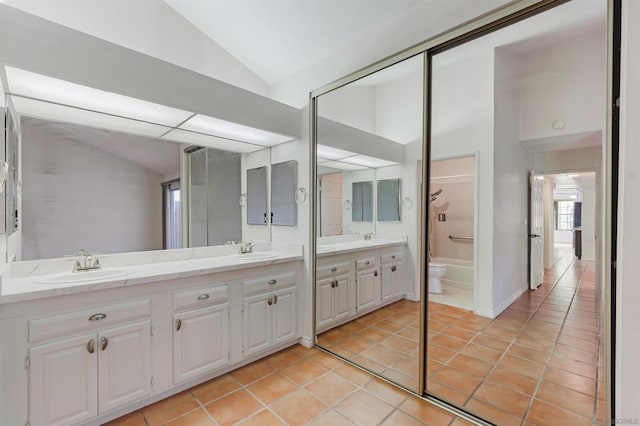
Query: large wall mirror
x=367 y=291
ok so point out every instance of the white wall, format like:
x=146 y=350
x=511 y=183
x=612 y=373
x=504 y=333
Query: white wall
x=563 y=237
x=149 y=27
x=628 y=291
x=511 y=181
x=572 y=72
x=588 y=183
x=399 y=106
x=76 y=196
x=351 y=105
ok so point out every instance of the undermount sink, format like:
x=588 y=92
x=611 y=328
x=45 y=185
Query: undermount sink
x=256 y=255
x=83 y=276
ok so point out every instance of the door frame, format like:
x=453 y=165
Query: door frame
x=507 y=15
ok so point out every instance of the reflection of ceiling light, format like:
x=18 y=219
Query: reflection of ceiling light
x=342 y=166
x=185 y=136
x=55 y=112
x=230 y=130
x=364 y=160
x=38 y=86
x=333 y=153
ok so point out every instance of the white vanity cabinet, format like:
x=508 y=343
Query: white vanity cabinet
x=269 y=312
x=82 y=364
x=200 y=331
x=392 y=271
x=367 y=284
x=335 y=294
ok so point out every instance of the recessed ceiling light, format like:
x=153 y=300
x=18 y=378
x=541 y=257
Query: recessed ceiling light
x=209 y=141
x=364 y=160
x=558 y=124
x=55 y=112
x=29 y=84
x=227 y=129
x=342 y=166
x=333 y=153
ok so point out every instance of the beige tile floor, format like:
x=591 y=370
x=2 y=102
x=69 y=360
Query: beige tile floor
x=537 y=363
x=296 y=386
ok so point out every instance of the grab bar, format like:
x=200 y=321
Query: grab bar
x=451 y=237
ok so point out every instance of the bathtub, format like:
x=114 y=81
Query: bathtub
x=459 y=272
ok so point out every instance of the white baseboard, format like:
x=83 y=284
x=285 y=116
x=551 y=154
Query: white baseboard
x=306 y=341
x=492 y=313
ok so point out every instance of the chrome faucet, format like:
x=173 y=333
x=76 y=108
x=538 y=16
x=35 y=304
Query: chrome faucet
x=368 y=235
x=246 y=248
x=85 y=262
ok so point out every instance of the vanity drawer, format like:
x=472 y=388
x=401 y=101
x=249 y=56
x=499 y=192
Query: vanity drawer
x=366 y=263
x=200 y=297
x=269 y=283
x=332 y=270
x=65 y=324
x=391 y=257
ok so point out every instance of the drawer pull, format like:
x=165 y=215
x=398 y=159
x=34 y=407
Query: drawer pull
x=275 y=299
x=271 y=282
x=270 y=301
x=393 y=256
x=333 y=269
x=91 y=346
x=178 y=324
x=393 y=269
x=104 y=342
x=367 y=262
x=337 y=283
x=203 y=296
x=97 y=317
x=375 y=273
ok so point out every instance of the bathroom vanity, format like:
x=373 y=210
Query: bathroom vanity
x=356 y=277
x=145 y=326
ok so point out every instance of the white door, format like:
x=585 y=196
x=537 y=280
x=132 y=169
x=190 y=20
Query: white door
x=284 y=315
x=324 y=302
x=536 y=230
x=386 y=282
x=124 y=365
x=331 y=204
x=200 y=341
x=368 y=289
x=397 y=278
x=342 y=298
x=257 y=323
x=63 y=388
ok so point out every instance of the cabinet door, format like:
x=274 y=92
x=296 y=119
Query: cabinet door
x=368 y=289
x=284 y=315
x=124 y=364
x=386 y=282
x=200 y=341
x=63 y=388
x=257 y=323
x=341 y=298
x=324 y=302
x=397 y=278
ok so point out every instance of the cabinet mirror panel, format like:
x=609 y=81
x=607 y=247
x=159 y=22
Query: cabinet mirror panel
x=367 y=285
x=256 y=196
x=283 y=193
x=362 y=204
x=388 y=205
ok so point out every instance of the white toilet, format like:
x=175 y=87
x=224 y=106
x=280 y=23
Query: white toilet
x=436 y=272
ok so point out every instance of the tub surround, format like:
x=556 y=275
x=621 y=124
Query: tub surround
x=38 y=279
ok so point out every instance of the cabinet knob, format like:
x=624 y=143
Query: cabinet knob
x=270 y=301
x=333 y=284
x=275 y=299
x=271 y=282
x=97 y=317
x=337 y=283
x=393 y=269
x=178 y=324
x=375 y=273
x=104 y=342
x=91 y=346
x=333 y=269
x=367 y=262
x=393 y=256
x=203 y=296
